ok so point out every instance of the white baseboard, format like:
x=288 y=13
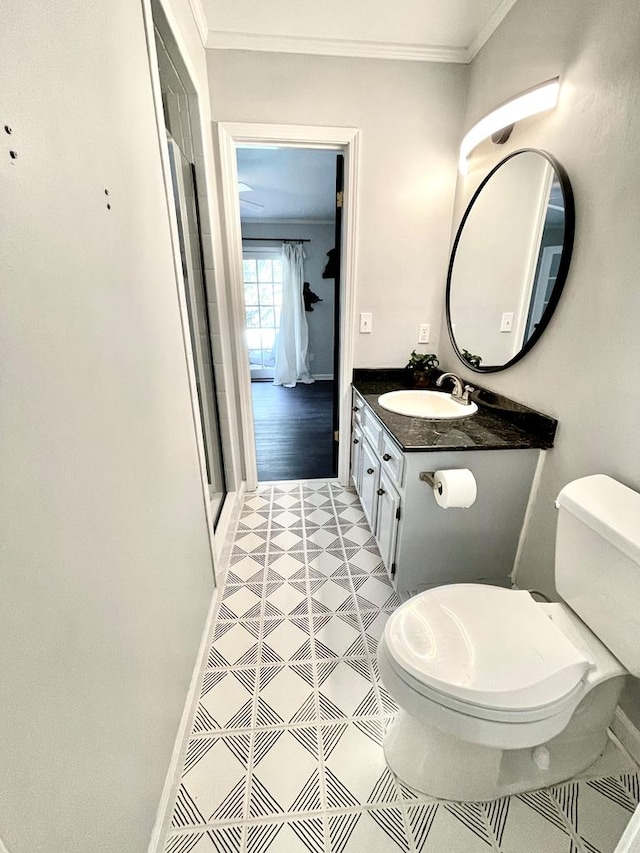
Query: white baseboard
x=172 y=779
x=627 y=734
x=224 y=536
x=226 y=529
x=321 y=376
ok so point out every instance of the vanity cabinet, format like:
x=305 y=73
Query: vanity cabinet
x=376 y=470
x=356 y=457
x=387 y=521
x=370 y=480
x=422 y=544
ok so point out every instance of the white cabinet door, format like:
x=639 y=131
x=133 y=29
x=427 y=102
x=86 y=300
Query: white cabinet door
x=386 y=529
x=356 y=458
x=370 y=482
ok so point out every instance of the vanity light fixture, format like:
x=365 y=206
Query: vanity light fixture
x=499 y=123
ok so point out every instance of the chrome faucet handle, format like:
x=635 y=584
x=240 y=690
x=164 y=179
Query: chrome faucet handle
x=468 y=389
x=460 y=391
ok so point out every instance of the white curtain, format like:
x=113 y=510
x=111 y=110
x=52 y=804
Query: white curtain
x=292 y=343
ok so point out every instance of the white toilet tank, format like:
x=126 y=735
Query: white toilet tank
x=598 y=561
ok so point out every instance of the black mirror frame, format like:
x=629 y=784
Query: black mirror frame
x=563 y=267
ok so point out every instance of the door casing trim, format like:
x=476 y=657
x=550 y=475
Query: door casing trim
x=348 y=139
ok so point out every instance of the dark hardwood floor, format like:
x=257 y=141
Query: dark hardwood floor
x=294 y=430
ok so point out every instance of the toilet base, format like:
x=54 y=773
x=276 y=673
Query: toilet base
x=447 y=767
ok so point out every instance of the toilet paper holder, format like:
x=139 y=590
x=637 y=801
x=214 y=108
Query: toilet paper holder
x=428 y=477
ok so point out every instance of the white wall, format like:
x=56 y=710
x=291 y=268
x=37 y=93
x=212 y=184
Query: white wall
x=320 y=320
x=584 y=371
x=410 y=116
x=106 y=564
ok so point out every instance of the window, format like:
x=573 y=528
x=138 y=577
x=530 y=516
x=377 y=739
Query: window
x=262 y=274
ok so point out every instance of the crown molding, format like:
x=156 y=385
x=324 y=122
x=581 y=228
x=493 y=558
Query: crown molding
x=272 y=43
x=201 y=23
x=491 y=25
x=220 y=40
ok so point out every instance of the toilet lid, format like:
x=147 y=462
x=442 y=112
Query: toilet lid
x=486 y=645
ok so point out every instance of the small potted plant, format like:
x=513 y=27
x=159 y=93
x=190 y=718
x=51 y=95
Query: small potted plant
x=473 y=360
x=422 y=364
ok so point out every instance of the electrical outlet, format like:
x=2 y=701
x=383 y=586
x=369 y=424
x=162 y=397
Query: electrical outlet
x=507 y=322
x=424 y=330
x=366 y=323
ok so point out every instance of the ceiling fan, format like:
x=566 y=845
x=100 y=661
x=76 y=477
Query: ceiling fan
x=245 y=188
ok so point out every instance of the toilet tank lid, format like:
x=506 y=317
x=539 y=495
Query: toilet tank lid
x=608 y=508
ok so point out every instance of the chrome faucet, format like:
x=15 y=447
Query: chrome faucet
x=460 y=390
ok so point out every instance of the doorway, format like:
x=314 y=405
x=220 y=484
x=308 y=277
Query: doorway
x=288 y=224
x=235 y=137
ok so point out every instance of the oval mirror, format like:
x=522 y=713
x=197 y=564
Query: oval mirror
x=510 y=260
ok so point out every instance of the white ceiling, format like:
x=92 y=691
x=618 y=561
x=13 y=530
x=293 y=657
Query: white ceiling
x=290 y=183
x=437 y=30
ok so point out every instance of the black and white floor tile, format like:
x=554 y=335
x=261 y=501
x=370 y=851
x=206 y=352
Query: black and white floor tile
x=285 y=755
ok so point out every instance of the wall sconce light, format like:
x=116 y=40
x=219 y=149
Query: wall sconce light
x=499 y=123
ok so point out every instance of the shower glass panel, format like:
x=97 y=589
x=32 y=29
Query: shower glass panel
x=186 y=202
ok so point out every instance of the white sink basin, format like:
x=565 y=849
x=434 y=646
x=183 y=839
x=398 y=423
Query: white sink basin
x=437 y=405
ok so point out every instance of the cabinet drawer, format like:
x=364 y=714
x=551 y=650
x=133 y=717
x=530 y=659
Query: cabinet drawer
x=372 y=429
x=357 y=409
x=392 y=459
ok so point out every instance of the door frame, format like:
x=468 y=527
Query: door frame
x=189 y=364
x=230 y=135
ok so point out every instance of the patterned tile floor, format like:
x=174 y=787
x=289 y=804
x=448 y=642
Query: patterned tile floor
x=285 y=754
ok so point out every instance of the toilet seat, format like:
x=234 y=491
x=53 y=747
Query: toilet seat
x=425 y=692
x=486 y=652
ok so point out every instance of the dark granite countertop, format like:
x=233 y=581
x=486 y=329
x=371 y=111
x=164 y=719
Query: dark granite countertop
x=499 y=424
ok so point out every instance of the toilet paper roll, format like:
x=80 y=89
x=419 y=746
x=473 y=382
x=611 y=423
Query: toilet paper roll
x=457 y=488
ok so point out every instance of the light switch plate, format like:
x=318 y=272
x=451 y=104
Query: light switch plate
x=366 y=323
x=507 y=322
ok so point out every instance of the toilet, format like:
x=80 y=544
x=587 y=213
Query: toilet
x=499 y=693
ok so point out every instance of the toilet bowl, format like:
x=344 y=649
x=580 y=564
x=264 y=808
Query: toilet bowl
x=488 y=680
x=500 y=694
